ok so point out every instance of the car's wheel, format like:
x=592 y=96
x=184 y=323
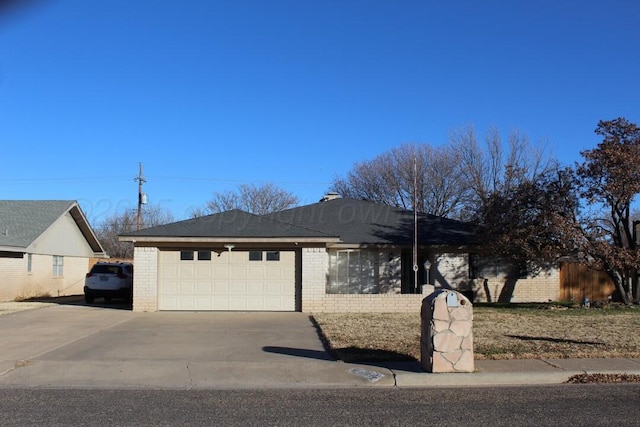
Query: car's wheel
x=88 y=298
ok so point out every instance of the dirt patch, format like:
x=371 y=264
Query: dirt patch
x=603 y=378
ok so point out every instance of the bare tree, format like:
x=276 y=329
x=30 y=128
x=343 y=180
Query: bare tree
x=126 y=221
x=259 y=200
x=412 y=170
x=496 y=166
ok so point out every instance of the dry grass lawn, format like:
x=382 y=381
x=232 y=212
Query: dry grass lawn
x=544 y=331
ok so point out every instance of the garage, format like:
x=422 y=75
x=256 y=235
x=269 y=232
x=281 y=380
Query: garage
x=246 y=280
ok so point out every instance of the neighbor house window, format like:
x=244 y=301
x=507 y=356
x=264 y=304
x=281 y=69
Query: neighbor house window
x=273 y=256
x=255 y=255
x=58 y=265
x=204 y=255
x=29 y=263
x=186 y=255
x=353 y=272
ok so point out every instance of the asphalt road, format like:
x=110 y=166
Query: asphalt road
x=569 y=405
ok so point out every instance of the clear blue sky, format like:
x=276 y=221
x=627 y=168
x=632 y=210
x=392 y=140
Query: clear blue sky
x=211 y=94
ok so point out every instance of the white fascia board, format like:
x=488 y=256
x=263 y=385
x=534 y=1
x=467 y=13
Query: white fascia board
x=147 y=239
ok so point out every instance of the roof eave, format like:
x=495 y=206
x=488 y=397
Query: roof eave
x=83 y=224
x=165 y=239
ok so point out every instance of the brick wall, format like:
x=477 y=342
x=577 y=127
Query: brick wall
x=145 y=279
x=16 y=282
x=541 y=288
x=14 y=272
x=368 y=303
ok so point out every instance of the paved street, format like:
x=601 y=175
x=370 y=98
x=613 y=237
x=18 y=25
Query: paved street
x=565 y=405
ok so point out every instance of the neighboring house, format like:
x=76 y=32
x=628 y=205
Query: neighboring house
x=45 y=248
x=335 y=255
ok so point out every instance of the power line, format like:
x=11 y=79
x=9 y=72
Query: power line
x=62 y=180
x=205 y=179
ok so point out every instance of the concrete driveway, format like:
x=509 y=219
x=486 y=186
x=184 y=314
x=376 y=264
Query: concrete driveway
x=82 y=346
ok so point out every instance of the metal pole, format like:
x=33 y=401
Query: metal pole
x=415 y=223
x=141 y=181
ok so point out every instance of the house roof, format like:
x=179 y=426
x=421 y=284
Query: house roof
x=231 y=225
x=23 y=221
x=363 y=222
x=337 y=221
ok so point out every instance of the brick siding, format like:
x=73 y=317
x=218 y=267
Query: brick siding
x=145 y=279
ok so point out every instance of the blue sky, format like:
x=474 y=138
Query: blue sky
x=212 y=94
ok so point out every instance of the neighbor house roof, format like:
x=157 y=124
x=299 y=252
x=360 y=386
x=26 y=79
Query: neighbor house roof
x=362 y=222
x=233 y=225
x=23 y=221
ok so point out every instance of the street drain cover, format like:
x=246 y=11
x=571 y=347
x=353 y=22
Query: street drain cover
x=371 y=376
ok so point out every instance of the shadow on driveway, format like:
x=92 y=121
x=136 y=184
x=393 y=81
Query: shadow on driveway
x=78 y=300
x=299 y=352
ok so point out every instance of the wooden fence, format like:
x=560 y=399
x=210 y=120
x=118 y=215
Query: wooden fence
x=578 y=281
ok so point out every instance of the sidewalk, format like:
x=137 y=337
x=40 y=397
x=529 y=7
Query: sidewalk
x=512 y=372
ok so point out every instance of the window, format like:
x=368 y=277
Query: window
x=273 y=256
x=29 y=263
x=255 y=255
x=186 y=255
x=58 y=265
x=353 y=272
x=204 y=255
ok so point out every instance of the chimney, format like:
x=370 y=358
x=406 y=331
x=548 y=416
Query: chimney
x=330 y=196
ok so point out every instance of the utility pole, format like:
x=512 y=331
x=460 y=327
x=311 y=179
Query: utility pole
x=141 y=195
x=415 y=223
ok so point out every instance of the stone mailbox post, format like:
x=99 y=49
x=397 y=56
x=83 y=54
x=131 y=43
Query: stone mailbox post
x=446 y=339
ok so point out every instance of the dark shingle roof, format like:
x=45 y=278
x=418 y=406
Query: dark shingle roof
x=22 y=221
x=349 y=220
x=230 y=224
x=363 y=222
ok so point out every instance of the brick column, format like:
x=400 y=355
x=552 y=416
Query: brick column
x=315 y=267
x=145 y=279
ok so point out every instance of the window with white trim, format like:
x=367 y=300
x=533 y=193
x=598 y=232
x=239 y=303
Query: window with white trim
x=58 y=265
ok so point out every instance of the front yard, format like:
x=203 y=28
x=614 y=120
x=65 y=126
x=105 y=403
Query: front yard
x=513 y=332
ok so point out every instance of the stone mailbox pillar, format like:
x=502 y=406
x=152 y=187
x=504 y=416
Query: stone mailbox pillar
x=446 y=339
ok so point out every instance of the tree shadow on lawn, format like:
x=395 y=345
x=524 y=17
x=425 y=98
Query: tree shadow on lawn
x=553 y=340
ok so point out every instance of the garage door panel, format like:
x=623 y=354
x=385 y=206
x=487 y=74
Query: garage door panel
x=187 y=271
x=220 y=303
x=227 y=282
x=204 y=288
x=220 y=288
x=238 y=272
x=204 y=271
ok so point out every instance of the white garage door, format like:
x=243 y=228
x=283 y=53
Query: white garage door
x=237 y=280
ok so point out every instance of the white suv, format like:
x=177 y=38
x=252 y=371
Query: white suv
x=109 y=280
